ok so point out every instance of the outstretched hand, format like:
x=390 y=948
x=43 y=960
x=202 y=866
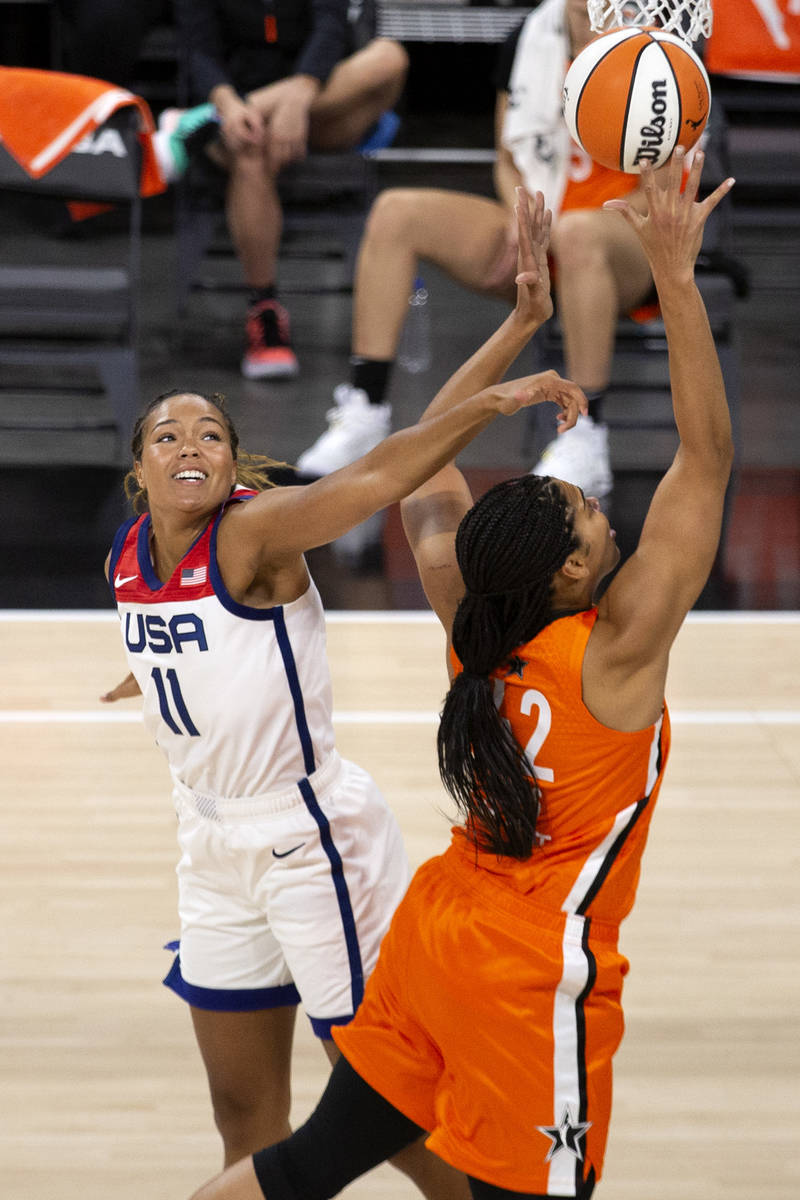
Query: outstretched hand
x=123 y=691
x=537 y=389
x=671 y=232
x=534 y=302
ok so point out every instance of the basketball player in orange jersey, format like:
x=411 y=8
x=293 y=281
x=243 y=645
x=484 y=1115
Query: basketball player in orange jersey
x=600 y=271
x=494 y=1011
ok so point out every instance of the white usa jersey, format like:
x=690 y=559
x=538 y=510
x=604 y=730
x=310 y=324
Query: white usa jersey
x=238 y=698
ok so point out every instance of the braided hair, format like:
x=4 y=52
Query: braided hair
x=508 y=547
x=252 y=470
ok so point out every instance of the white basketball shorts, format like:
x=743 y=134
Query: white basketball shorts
x=286 y=897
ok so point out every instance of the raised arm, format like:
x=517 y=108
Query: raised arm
x=270 y=532
x=432 y=513
x=281 y=524
x=533 y=307
x=649 y=598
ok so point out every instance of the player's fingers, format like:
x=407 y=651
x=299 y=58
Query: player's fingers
x=624 y=209
x=523 y=228
x=537 y=216
x=693 y=179
x=711 y=201
x=523 y=222
x=572 y=404
x=547 y=225
x=522 y=207
x=674 y=175
x=648 y=178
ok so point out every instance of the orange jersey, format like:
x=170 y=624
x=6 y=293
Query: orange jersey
x=494 y=1012
x=590 y=184
x=597 y=785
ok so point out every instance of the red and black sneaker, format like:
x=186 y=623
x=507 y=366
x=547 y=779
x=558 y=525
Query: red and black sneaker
x=269 y=353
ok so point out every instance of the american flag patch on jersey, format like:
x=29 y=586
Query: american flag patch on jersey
x=192 y=576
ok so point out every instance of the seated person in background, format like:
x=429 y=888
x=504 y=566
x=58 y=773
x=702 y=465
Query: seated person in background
x=599 y=266
x=284 y=80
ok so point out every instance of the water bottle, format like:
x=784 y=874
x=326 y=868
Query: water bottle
x=414 y=351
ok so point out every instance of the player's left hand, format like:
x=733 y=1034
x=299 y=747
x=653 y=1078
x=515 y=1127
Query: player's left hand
x=545 y=386
x=123 y=691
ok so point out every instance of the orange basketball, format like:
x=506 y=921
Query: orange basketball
x=633 y=95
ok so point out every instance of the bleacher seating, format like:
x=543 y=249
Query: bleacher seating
x=68 y=334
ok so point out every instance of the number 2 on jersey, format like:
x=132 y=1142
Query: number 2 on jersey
x=531 y=699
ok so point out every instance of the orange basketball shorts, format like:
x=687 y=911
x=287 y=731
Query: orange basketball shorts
x=492 y=1024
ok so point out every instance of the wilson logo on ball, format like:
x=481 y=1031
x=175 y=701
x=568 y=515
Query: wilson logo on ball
x=652 y=135
x=633 y=95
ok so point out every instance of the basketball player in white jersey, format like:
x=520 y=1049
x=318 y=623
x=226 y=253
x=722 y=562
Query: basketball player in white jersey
x=291 y=863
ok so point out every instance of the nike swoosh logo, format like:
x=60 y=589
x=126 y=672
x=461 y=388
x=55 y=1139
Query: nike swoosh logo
x=120 y=579
x=286 y=853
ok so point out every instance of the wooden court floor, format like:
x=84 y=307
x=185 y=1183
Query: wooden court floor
x=101 y=1091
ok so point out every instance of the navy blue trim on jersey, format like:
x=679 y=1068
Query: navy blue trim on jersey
x=322 y=1026
x=145 y=562
x=146 y=567
x=221 y=592
x=116 y=550
x=292 y=678
x=275 y=614
x=342 y=893
x=229 y=999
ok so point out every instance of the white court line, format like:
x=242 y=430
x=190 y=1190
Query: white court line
x=721 y=716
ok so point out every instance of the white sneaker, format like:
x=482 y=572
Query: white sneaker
x=580 y=456
x=354 y=428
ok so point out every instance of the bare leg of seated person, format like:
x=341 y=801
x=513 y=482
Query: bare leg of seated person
x=358 y=91
x=467 y=238
x=255 y=221
x=600 y=274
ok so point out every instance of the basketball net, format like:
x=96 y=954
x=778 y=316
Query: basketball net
x=688 y=19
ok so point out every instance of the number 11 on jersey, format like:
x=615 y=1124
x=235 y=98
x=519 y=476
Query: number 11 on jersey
x=181 y=711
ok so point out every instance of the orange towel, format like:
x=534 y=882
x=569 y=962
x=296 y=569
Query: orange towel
x=44 y=114
x=758 y=40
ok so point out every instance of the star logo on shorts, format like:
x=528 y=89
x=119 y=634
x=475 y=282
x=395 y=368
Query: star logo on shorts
x=567 y=1135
